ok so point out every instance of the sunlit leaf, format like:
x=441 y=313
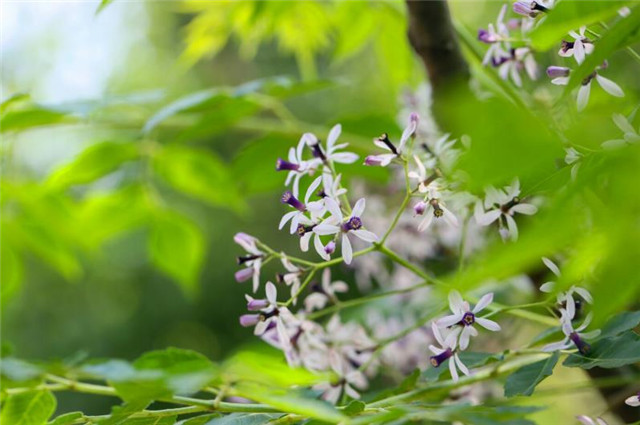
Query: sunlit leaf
x=119 y=414
x=67 y=418
x=199 y=173
x=176 y=247
x=92 y=163
x=241 y=419
x=19 y=120
x=28 y=408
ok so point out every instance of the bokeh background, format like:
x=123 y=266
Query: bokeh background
x=138 y=137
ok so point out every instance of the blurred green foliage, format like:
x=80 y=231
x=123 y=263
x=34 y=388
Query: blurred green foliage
x=93 y=244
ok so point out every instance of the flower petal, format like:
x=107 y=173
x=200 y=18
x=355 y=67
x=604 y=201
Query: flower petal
x=365 y=235
x=272 y=293
x=483 y=302
x=456 y=303
x=358 y=208
x=450 y=320
x=583 y=96
x=552 y=266
x=488 y=324
x=527 y=209
x=347 y=251
x=609 y=86
x=333 y=136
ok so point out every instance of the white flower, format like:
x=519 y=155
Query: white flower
x=252 y=261
x=325 y=293
x=331 y=186
x=330 y=153
x=495 y=36
x=586 y=420
x=579 y=48
x=296 y=166
x=573 y=336
x=314 y=208
x=573 y=158
x=433 y=206
x=270 y=315
x=633 y=401
x=565 y=299
x=349 y=379
x=503 y=204
x=292 y=277
x=383 y=142
x=514 y=61
x=463 y=318
x=337 y=224
x=630 y=133
x=447 y=350
x=585 y=88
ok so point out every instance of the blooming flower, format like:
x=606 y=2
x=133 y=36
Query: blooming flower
x=330 y=153
x=566 y=299
x=586 y=420
x=337 y=224
x=630 y=133
x=433 y=207
x=579 y=48
x=296 y=166
x=292 y=277
x=325 y=292
x=561 y=77
x=495 y=36
x=502 y=205
x=634 y=400
x=252 y=261
x=573 y=336
x=315 y=208
x=464 y=318
x=383 y=142
x=447 y=350
x=512 y=63
x=347 y=381
x=573 y=158
x=530 y=9
x=270 y=315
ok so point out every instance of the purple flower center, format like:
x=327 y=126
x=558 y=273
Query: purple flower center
x=437 y=210
x=372 y=160
x=468 y=319
x=282 y=165
x=288 y=198
x=441 y=358
x=317 y=152
x=512 y=203
x=582 y=346
x=354 y=223
x=485 y=36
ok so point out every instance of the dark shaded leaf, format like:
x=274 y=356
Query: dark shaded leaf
x=524 y=380
x=620 y=323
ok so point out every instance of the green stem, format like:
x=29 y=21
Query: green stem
x=304 y=284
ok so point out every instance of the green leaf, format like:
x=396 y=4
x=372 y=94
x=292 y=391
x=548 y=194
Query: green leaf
x=570 y=15
x=67 y=419
x=291 y=401
x=103 y=5
x=119 y=414
x=620 y=323
x=185 y=371
x=28 y=408
x=608 y=353
x=177 y=247
x=242 y=419
x=524 y=380
x=11 y=272
x=611 y=41
x=92 y=163
x=20 y=120
x=199 y=173
x=354 y=407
